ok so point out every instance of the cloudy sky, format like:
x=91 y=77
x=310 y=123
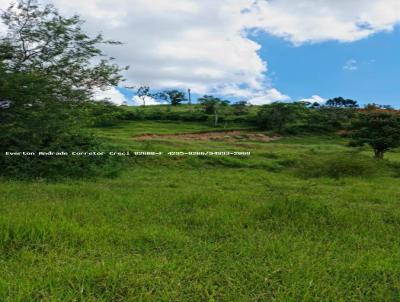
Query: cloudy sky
x=258 y=50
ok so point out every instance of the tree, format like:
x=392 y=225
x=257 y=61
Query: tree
x=388 y=107
x=39 y=40
x=341 y=102
x=380 y=130
x=372 y=106
x=173 y=97
x=277 y=115
x=143 y=92
x=328 y=119
x=212 y=105
x=240 y=108
x=49 y=68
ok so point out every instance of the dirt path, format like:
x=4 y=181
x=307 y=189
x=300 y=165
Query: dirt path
x=207 y=136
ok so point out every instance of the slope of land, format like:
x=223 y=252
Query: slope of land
x=174 y=228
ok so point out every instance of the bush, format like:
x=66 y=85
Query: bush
x=133 y=115
x=106 y=120
x=395 y=168
x=329 y=119
x=104 y=114
x=337 y=166
x=53 y=127
x=155 y=114
x=197 y=116
x=57 y=167
x=277 y=116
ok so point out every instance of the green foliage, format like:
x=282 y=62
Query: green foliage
x=233 y=230
x=341 y=102
x=106 y=114
x=39 y=40
x=299 y=118
x=380 y=130
x=278 y=115
x=374 y=106
x=57 y=167
x=159 y=114
x=240 y=108
x=143 y=92
x=337 y=166
x=60 y=132
x=48 y=70
x=327 y=119
x=173 y=97
x=213 y=106
x=286 y=118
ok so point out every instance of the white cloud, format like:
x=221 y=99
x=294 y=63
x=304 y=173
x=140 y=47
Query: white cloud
x=314 y=99
x=3 y=5
x=303 y=21
x=350 y=65
x=268 y=97
x=203 y=45
x=178 y=43
x=148 y=101
x=112 y=95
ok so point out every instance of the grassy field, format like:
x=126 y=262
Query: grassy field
x=258 y=228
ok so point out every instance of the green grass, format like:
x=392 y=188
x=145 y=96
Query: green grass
x=204 y=229
x=122 y=134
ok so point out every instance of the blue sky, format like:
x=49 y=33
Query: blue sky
x=319 y=68
x=367 y=70
x=303 y=49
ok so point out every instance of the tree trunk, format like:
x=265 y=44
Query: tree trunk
x=379 y=154
x=215 y=118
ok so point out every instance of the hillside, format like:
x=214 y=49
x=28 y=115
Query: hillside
x=275 y=225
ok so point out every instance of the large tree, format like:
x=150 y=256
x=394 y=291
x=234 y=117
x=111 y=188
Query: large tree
x=380 y=130
x=173 y=97
x=42 y=42
x=48 y=67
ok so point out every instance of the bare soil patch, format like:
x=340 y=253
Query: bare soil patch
x=232 y=136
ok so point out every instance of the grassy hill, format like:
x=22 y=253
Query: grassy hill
x=288 y=223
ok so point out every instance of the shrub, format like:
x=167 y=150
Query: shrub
x=155 y=114
x=277 y=116
x=24 y=130
x=57 y=167
x=337 y=165
x=103 y=113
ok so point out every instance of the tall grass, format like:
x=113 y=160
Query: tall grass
x=216 y=229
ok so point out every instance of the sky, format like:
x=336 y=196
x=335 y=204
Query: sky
x=260 y=51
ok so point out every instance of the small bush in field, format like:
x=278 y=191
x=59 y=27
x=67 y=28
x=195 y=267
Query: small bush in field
x=336 y=166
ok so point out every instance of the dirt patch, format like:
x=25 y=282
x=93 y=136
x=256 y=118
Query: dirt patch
x=232 y=136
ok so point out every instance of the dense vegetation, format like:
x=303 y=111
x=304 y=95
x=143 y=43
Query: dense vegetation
x=49 y=68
